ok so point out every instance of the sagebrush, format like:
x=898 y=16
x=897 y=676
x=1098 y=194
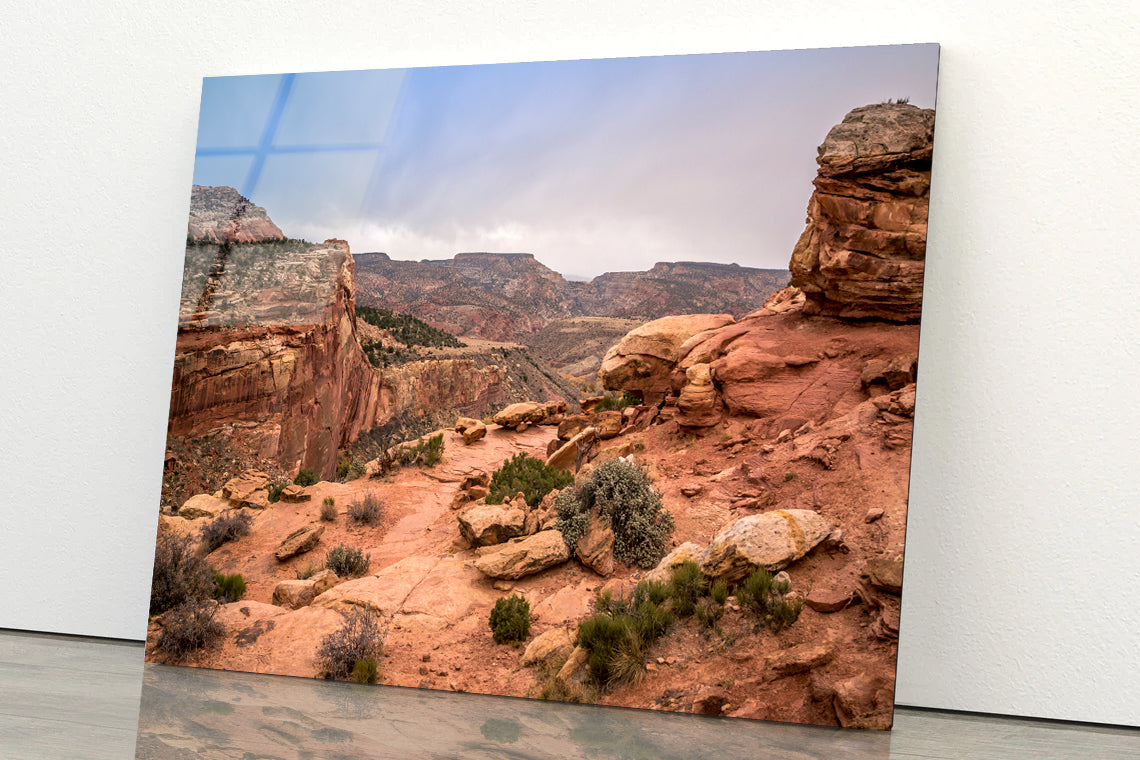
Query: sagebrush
x=180 y=573
x=228 y=526
x=358 y=638
x=622 y=496
x=188 y=627
x=347 y=562
x=370 y=511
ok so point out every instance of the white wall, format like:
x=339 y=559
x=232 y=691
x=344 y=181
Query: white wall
x=1023 y=570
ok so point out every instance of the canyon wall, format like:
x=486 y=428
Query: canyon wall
x=268 y=342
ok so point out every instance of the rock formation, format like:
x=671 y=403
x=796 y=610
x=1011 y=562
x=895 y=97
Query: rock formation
x=222 y=215
x=864 y=248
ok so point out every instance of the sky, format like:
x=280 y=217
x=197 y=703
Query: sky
x=592 y=166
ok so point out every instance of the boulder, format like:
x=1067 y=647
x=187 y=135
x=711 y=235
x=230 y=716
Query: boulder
x=607 y=424
x=471 y=430
x=863 y=251
x=203 y=505
x=587 y=404
x=526 y=556
x=572 y=425
x=488 y=524
x=699 y=404
x=295 y=493
x=566 y=458
x=175 y=525
x=474 y=493
x=686 y=552
x=772 y=540
x=299 y=541
x=248 y=489
x=797 y=659
x=548 y=646
x=573 y=672
x=595 y=549
x=480 y=478
x=295 y=594
x=520 y=413
x=885 y=574
x=900 y=371
x=862 y=701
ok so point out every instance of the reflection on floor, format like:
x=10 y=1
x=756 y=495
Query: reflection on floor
x=66 y=697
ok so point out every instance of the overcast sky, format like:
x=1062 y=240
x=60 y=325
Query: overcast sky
x=592 y=166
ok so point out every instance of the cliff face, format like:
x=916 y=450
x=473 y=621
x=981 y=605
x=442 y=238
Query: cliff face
x=864 y=248
x=268 y=342
x=222 y=214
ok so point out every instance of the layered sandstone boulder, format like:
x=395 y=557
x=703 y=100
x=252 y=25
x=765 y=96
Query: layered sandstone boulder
x=643 y=360
x=864 y=248
x=771 y=540
x=521 y=557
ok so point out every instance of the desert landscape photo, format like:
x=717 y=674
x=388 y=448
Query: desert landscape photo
x=589 y=381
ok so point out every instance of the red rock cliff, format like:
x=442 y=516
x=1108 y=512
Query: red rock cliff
x=267 y=340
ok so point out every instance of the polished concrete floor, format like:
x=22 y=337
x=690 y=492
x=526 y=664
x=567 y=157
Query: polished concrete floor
x=67 y=697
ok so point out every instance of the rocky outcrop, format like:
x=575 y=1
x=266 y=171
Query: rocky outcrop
x=643 y=361
x=268 y=346
x=222 y=215
x=864 y=248
x=471 y=430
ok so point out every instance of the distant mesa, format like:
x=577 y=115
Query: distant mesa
x=372 y=256
x=223 y=215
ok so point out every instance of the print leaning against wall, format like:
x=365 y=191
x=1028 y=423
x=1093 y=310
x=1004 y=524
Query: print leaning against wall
x=529 y=379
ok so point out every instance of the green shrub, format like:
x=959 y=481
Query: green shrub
x=348 y=468
x=617 y=402
x=617 y=637
x=328 y=509
x=686 y=587
x=510 y=620
x=275 y=492
x=764 y=596
x=180 y=574
x=708 y=612
x=228 y=526
x=528 y=475
x=358 y=638
x=624 y=498
x=188 y=627
x=367 y=512
x=719 y=592
x=305 y=478
x=365 y=670
x=347 y=562
x=228 y=588
x=427 y=452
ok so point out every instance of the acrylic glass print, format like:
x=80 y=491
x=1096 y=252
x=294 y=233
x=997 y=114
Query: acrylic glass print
x=530 y=379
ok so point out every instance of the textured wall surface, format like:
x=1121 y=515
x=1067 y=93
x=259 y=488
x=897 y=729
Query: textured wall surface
x=1023 y=570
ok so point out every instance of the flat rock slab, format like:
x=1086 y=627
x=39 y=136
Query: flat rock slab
x=527 y=556
x=384 y=592
x=299 y=541
x=771 y=540
x=568 y=604
x=828 y=599
x=798 y=659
